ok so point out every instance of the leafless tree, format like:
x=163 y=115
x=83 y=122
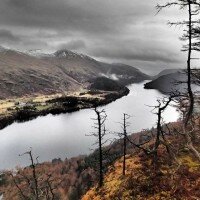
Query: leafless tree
x=40 y=187
x=191 y=35
x=160 y=134
x=99 y=124
x=35 y=178
x=124 y=136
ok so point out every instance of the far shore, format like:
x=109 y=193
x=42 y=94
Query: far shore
x=27 y=108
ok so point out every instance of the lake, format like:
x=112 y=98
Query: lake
x=64 y=135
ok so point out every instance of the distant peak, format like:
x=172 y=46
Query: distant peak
x=65 y=53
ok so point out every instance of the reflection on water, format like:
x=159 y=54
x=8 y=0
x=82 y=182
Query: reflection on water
x=64 y=135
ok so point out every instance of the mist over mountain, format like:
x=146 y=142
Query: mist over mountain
x=24 y=74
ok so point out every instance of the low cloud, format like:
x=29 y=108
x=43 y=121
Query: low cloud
x=73 y=45
x=8 y=36
x=125 y=30
x=137 y=54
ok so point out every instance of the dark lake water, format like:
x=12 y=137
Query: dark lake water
x=64 y=135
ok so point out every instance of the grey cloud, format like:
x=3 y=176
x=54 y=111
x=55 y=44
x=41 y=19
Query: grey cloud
x=20 y=4
x=107 y=29
x=73 y=45
x=8 y=36
x=152 y=55
x=82 y=15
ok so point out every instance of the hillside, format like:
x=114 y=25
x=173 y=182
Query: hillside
x=22 y=75
x=166 y=72
x=177 y=179
x=104 y=83
x=168 y=82
x=142 y=182
x=169 y=179
x=173 y=80
x=64 y=71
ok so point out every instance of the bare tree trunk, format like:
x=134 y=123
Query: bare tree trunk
x=189 y=113
x=34 y=175
x=189 y=84
x=100 y=148
x=159 y=132
x=192 y=26
x=124 y=146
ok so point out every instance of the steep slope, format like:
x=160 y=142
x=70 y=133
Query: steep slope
x=125 y=74
x=146 y=181
x=77 y=66
x=21 y=74
x=64 y=71
x=177 y=178
x=83 y=67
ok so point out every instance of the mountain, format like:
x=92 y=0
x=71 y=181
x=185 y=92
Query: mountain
x=125 y=74
x=168 y=82
x=173 y=80
x=23 y=74
x=84 y=68
x=167 y=71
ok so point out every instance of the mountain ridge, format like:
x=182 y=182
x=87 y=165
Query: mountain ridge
x=23 y=74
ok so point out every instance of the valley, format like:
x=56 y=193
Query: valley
x=24 y=75
x=57 y=83
x=99 y=100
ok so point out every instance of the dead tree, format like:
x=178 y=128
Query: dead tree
x=99 y=124
x=160 y=137
x=34 y=176
x=38 y=186
x=191 y=35
x=124 y=137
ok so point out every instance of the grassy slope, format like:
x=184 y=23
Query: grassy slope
x=144 y=182
x=169 y=180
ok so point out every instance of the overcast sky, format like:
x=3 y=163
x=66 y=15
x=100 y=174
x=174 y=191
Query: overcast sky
x=126 y=31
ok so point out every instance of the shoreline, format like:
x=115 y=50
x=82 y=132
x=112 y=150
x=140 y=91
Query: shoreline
x=63 y=104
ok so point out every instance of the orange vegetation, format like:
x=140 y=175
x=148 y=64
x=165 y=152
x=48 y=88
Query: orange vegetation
x=69 y=179
x=167 y=180
x=175 y=176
